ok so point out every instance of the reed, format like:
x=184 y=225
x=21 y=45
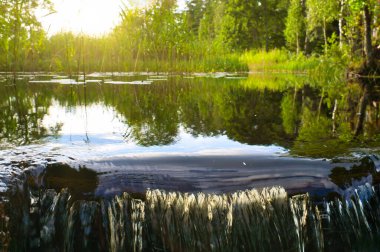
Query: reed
x=221 y=63
x=279 y=60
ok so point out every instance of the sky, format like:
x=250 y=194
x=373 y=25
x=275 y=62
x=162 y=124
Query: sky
x=94 y=17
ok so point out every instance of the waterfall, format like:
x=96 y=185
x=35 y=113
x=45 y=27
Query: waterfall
x=251 y=220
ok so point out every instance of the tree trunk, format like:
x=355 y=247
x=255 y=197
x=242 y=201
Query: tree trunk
x=306 y=33
x=16 y=40
x=325 y=34
x=298 y=44
x=266 y=26
x=362 y=111
x=306 y=43
x=341 y=24
x=369 y=61
x=320 y=103
x=335 y=111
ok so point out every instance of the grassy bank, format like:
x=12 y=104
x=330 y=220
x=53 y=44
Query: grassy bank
x=219 y=63
x=279 y=60
x=196 y=63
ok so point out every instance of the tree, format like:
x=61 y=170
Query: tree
x=366 y=8
x=295 y=25
x=321 y=14
x=20 y=31
x=194 y=14
x=131 y=35
x=254 y=24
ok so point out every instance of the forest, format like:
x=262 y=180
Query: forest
x=205 y=36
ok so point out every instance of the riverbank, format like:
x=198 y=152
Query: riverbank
x=336 y=64
x=279 y=60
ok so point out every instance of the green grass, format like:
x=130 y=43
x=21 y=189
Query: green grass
x=274 y=81
x=219 y=63
x=279 y=60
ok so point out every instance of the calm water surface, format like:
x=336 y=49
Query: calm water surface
x=217 y=133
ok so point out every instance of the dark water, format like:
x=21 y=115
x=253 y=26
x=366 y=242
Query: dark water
x=214 y=134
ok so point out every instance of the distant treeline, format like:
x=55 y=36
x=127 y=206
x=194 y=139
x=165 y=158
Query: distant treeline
x=208 y=35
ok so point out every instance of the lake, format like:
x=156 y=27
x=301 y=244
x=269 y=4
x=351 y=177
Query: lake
x=104 y=134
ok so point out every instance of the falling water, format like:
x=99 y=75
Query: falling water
x=251 y=220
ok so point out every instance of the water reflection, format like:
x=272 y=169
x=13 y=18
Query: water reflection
x=80 y=183
x=21 y=115
x=188 y=117
x=366 y=169
x=153 y=114
x=308 y=117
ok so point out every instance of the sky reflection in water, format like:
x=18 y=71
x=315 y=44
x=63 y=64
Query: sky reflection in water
x=199 y=134
x=94 y=131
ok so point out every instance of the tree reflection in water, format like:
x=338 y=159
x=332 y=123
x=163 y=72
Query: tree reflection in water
x=310 y=118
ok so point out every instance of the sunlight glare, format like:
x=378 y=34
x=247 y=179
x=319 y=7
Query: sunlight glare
x=94 y=17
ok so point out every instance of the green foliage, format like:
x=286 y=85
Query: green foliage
x=321 y=14
x=254 y=24
x=315 y=137
x=203 y=37
x=194 y=15
x=279 y=61
x=289 y=114
x=21 y=36
x=263 y=57
x=313 y=128
x=279 y=82
x=357 y=5
x=295 y=25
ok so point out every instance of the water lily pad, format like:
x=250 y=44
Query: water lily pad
x=142 y=82
x=59 y=81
